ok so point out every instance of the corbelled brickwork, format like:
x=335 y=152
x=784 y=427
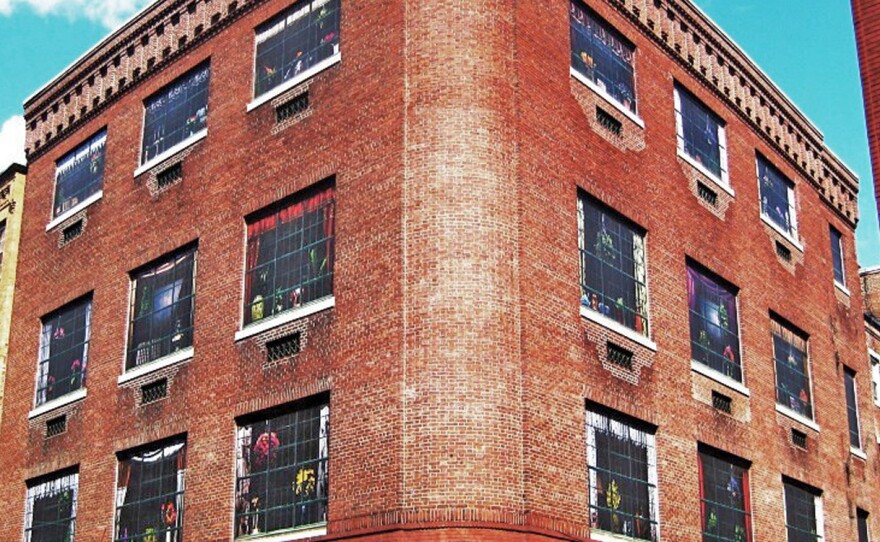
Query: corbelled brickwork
x=455 y=357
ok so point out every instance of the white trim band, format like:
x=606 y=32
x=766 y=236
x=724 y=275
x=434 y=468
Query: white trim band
x=706 y=173
x=75 y=209
x=285 y=317
x=607 y=97
x=287 y=85
x=858 y=453
x=613 y=326
x=159 y=158
x=767 y=220
x=711 y=374
x=309 y=531
x=55 y=404
x=165 y=361
x=843 y=289
x=789 y=413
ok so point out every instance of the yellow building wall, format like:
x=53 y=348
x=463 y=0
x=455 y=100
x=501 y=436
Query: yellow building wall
x=11 y=208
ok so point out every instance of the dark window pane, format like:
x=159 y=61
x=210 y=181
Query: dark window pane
x=80 y=173
x=162 y=310
x=149 y=495
x=701 y=132
x=862 y=518
x=50 y=515
x=64 y=349
x=725 y=509
x=290 y=253
x=837 y=255
x=714 y=324
x=296 y=40
x=602 y=55
x=613 y=270
x=777 y=197
x=792 y=371
x=852 y=410
x=281 y=471
x=800 y=514
x=176 y=113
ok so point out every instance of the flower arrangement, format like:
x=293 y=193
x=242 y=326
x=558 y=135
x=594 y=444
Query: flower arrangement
x=305 y=483
x=150 y=535
x=169 y=514
x=59 y=333
x=264 y=448
x=75 y=371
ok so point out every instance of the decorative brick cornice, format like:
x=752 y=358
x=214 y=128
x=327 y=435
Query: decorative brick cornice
x=141 y=48
x=695 y=42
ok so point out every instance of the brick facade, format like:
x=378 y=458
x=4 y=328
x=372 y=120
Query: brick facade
x=866 y=16
x=455 y=357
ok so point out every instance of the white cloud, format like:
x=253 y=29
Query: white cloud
x=11 y=140
x=110 y=13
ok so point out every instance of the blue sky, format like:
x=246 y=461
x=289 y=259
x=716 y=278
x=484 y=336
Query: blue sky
x=809 y=51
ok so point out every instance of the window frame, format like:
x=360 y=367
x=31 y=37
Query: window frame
x=3 y=224
x=874 y=362
x=837 y=248
x=791 y=196
x=809 y=420
x=862 y=516
x=56 y=219
x=722 y=180
x=83 y=358
x=732 y=461
x=67 y=476
x=849 y=376
x=818 y=508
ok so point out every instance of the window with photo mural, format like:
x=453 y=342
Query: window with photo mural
x=700 y=133
x=714 y=323
x=294 y=41
x=777 y=197
x=622 y=464
x=613 y=270
x=149 y=494
x=602 y=55
x=281 y=471
x=803 y=514
x=50 y=510
x=80 y=173
x=162 y=308
x=289 y=259
x=64 y=351
x=724 y=499
x=792 y=368
x=176 y=113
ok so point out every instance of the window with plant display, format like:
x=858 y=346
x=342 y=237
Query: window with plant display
x=601 y=55
x=803 y=512
x=724 y=498
x=176 y=113
x=162 y=308
x=622 y=465
x=792 y=368
x=50 y=510
x=80 y=174
x=714 y=323
x=613 y=268
x=149 y=494
x=777 y=197
x=281 y=470
x=64 y=351
x=290 y=254
x=701 y=134
x=303 y=37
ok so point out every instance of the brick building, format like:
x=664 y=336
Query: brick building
x=866 y=16
x=551 y=270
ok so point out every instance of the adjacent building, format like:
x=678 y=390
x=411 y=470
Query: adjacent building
x=486 y=270
x=866 y=16
x=11 y=199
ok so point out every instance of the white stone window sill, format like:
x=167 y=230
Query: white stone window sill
x=55 y=404
x=605 y=536
x=607 y=97
x=699 y=368
x=300 y=533
x=165 y=361
x=285 y=317
x=842 y=288
x=789 y=413
x=858 y=453
x=287 y=85
x=719 y=182
x=767 y=220
x=613 y=326
x=75 y=209
x=158 y=159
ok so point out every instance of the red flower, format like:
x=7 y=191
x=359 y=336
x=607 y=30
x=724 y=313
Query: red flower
x=169 y=514
x=264 y=448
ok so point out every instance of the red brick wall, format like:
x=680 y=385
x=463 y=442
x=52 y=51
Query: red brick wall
x=456 y=359
x=866 y=16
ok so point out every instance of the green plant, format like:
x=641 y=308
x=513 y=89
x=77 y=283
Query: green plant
x=723 y=317
x=712 y=522
x=604 y=246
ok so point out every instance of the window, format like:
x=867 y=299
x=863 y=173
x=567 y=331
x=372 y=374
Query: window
x=701 y=134
x=837 y=256
x=714 y=323
x=281 y=471
x=862 y=520
x=777 y=197
x=622 y=465
x=803 y=512
x=602 y=56
x=64 y=351
x=80 y=173
x=289 y=255
x=724 y=498
x=162 y=308
x=613 y=269
x=50 y=510
x=2 y=239
x=852 y=408
x=149 y=494
x=176 y=113
x=875 y=377
x=296 y=40
x=792 y=368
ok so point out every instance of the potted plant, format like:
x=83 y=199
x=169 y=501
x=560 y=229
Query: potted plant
x=723 y=318
x=612 y=501
x=604 y=245
x=257 y=308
